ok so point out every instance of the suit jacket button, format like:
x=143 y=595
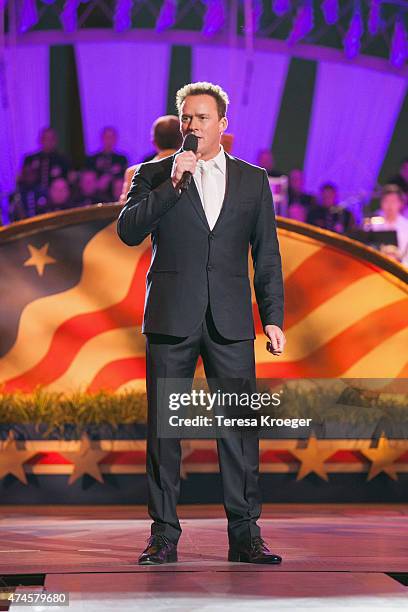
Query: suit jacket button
x=211 y=236
x=209 y=268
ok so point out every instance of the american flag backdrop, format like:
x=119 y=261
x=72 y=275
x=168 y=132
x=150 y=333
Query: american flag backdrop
x=72 y=297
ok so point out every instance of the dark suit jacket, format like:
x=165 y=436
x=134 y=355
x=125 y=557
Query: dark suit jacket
x=192 y=265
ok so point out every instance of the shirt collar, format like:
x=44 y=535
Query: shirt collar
x=219 y=160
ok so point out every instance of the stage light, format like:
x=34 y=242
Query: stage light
x=303 y=22
x=122 y=19
x=352 y=39
x=214 y=18
x=280 y=7
x=330 y=10
x=399 y=44
x=374 y=21
x=28 y=16
x=69 y=16
x=257 y=9
x=167 y=15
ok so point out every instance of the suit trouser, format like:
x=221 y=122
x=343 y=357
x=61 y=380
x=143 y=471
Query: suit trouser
x=238 y=454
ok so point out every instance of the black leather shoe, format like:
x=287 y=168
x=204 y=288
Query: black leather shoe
x=159 y=550
x=256 y=552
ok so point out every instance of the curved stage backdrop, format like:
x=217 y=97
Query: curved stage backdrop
x=70 y=317
x=73 y=296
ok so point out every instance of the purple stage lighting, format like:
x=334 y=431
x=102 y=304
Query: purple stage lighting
x=352 y=39
x=374 y=21
x=68 y=16
x=330 y=10
x=257 y=9
x=303 y=22
x=28 y=16
x=167 y=15
x=399 y=44
x=280 y=7
x=214 y=18
x=122 y=19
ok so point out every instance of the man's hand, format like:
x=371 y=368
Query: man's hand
x=277 y=339
x=183 y=162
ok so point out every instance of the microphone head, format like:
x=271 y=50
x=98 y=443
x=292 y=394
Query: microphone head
x=190 y=143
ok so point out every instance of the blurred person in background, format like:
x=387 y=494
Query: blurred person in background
x=107 y=162
x=116 y=189
x=87 y=192
x=401 y=179
x=59 y=196
x=266 y=160
x=296 y=192
x=328 y=214
x=47 y=164
x=297 y=212
x=391 y=205
x=29 y=198
x=166 y=138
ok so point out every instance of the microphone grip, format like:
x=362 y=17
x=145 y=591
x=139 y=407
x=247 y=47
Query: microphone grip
x=185 y=181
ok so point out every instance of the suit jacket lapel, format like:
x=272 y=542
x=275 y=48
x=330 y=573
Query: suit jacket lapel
x=195 y=199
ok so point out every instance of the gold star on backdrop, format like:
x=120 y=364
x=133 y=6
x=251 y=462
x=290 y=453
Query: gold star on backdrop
x=85 y=460
x=12 y=459
x=383 y=456
x=39 y=258
x=312 y=458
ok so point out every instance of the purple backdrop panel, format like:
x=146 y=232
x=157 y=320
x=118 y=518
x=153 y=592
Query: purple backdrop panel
x=353 y=117
x=254 y=84
x=24 y=106
x=123 y=84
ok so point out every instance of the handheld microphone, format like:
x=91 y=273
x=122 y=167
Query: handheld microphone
x=190 y=143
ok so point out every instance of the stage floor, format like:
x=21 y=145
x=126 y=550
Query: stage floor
x=335 y=557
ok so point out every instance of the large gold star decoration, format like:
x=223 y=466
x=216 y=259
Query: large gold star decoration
x=85 y=460
x=12 y=459
x=382 y=457
x=39 y=258
x=312 y=458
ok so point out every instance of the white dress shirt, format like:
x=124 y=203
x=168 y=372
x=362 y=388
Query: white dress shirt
x=218 y=168
x=400 y=225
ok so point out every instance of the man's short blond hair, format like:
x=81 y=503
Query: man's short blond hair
x=204 y=88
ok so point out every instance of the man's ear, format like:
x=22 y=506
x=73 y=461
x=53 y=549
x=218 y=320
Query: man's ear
x=223 y=124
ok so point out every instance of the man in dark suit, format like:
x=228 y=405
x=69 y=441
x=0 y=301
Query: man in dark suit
x=107 y=163
x=198 y=302
x=47 y=164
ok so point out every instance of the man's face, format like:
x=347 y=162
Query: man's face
x=109 y=139
x=266 y=160
x=391 y=205
x=329 y=197
x=199 y=116
x=48 y=141
x=59 y=191
x=88 y=182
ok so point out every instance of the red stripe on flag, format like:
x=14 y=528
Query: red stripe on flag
x=71 y=335
x=113 y=375
x=339 y=354
x=318 y=278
